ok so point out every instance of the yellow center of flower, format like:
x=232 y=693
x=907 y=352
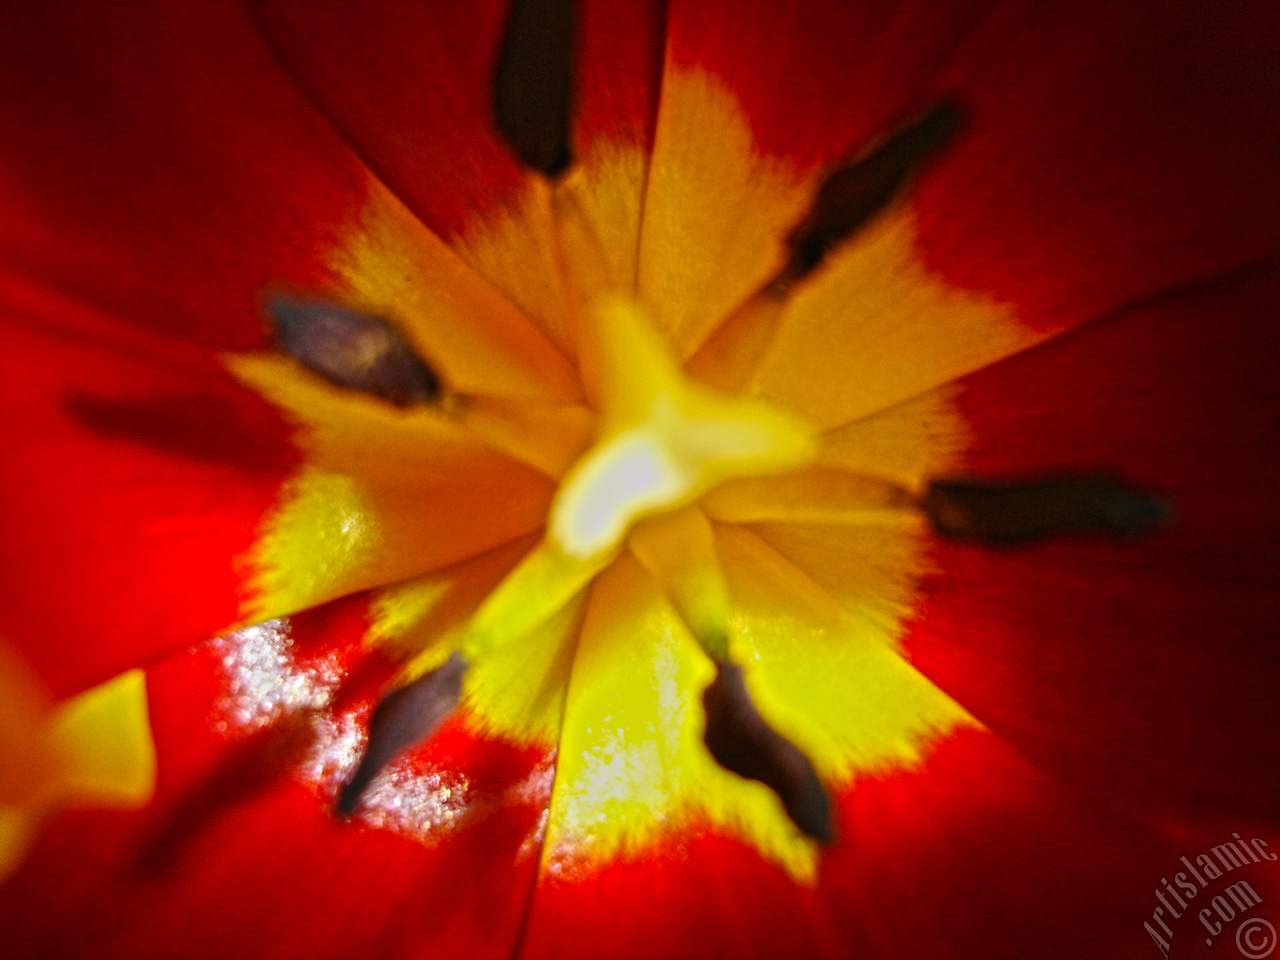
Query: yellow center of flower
x=586 y=518
x=664 y=440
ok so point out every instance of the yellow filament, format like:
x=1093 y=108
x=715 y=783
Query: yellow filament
x=679 y=552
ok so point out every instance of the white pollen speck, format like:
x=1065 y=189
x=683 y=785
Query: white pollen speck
x=336 y=754
x=422 y=806
x=265 y=684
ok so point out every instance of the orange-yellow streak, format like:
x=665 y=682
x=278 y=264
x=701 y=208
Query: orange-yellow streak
x=94 y=749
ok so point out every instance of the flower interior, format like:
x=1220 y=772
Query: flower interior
x=631 y=488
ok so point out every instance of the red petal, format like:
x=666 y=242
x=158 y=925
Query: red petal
x=975 y=847
x=409 y=86
x=161 y=165
x=1112 y=150
x=130 y=484
x=264 y=869
x=818 y=79
x=1115 y=152
x=1144 y=670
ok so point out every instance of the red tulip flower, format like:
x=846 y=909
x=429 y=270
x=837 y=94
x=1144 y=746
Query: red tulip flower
x=638 y=479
